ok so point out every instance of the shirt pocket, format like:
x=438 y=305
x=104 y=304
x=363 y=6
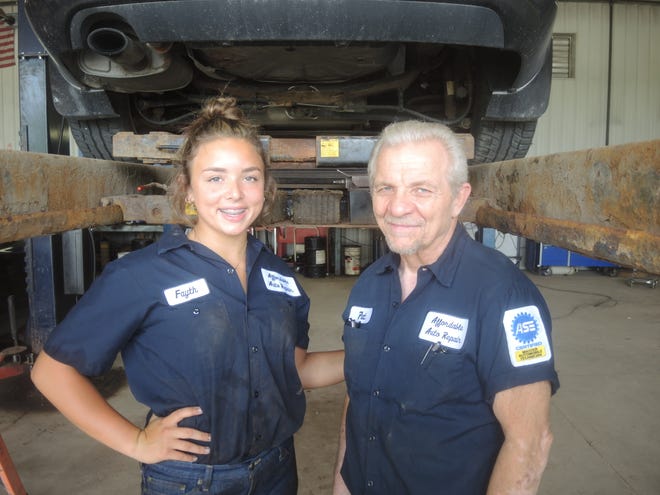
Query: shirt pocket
x=280 y=312
x=355 y=361
x=200 y=333
x=439 y=377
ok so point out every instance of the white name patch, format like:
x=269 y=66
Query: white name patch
x=526 y=336
x=446 y=330
x=360 y=315
x=186 y=292
x=280 y=283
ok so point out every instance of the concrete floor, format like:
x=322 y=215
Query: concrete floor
x=606 y=415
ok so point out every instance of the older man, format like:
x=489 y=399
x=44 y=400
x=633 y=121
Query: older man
x=449 y=364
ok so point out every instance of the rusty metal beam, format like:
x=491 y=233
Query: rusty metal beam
x=281 y=153
x=154 y=210
x=604 y=202
x=626 y=247
x=18 y=227
x=46 y=194
x=162 y=147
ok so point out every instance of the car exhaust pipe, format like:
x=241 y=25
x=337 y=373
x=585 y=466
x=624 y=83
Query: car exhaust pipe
x=119 y=47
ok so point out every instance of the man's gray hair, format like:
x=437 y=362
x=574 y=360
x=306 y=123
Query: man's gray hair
x=415 y=131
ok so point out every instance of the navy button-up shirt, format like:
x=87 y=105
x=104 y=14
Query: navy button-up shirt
x=189 y=336
x=422 y=374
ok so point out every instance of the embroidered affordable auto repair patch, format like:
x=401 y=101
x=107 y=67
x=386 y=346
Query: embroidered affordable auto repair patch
x=526 y=336
x=280 y=283
x=443 y=329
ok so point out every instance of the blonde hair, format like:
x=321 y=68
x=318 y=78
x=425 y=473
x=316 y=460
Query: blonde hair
x=219 y=117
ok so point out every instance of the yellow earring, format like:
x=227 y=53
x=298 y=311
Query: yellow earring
x=190 y=208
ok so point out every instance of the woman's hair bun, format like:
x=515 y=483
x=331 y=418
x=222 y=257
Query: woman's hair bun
x=222 y=107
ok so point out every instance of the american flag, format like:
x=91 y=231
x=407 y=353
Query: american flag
x=7 y=58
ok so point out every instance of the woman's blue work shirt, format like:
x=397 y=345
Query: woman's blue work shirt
x=189 y=336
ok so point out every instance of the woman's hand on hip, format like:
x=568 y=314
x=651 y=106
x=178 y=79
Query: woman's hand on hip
x=164 y=440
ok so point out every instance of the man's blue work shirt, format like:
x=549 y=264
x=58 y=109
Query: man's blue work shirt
x=422 y=375
x=189 y=336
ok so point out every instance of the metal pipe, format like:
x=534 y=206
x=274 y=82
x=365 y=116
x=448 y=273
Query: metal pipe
x=614 y=186
x=632 y=248
x=119 y=47
x=19 y=227
x=12 y=319
x=45 y=194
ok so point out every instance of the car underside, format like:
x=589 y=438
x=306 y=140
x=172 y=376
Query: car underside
x=333 y=68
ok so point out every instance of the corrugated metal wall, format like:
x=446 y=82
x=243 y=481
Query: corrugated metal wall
x=577 y=116
x=635 y=105
x=9 y=109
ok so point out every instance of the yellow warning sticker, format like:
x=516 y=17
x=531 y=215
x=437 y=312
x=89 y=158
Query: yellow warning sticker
x=532 y=353
x=330 y=148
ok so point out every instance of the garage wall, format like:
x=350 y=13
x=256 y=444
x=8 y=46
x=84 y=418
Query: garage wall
x=635 y=105
x=9 y=109
x=578 y=116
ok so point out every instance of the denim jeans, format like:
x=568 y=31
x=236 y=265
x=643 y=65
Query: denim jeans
x=270 y=473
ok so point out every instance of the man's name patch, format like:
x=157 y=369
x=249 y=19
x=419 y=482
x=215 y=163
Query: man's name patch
x=360 y=315
x=526 y=336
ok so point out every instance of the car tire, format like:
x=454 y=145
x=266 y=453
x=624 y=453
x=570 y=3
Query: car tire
x=496 y=141
x=94 y=137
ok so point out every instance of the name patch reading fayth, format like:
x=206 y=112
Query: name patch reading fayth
x=186 y=292
x=446 y=330
x=280 y=283
x=526 y=336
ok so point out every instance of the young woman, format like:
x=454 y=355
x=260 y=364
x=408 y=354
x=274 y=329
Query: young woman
x=212 y=329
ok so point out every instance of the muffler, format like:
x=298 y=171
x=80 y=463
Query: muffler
x=119 y=47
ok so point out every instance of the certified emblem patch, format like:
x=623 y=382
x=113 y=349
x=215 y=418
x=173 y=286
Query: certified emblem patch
x=526 y=336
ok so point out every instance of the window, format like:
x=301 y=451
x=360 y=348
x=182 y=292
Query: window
x=563 y=56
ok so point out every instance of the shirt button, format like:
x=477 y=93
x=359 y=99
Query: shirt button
x=372 y=438
x=256 y=394
x=395 y=304
x=370 y=483
x=230 y=271
x=196 y=311
x=386 y=348
x=424 y=268
x=254 y=348
x=376 y=393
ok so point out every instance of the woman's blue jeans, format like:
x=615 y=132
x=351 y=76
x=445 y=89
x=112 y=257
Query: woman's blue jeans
x=270 y=473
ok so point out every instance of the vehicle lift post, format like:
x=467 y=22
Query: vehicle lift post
x=8 y=473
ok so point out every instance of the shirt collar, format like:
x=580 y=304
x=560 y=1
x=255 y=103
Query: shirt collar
x=446 y=265
x=175 y=237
